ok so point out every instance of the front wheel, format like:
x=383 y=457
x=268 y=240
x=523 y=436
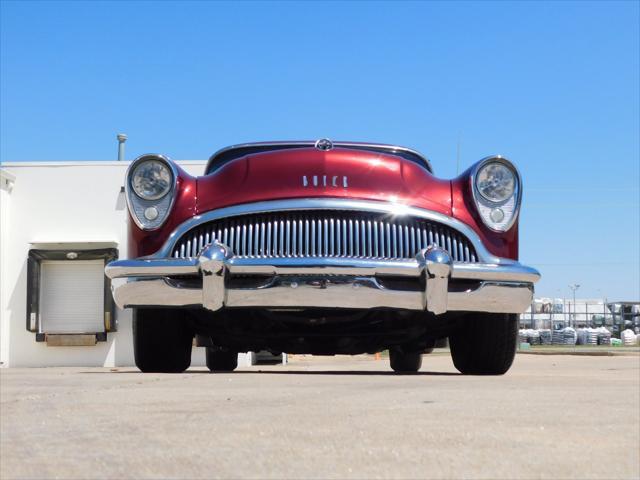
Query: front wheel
x=405 y=362
x=221 y=360
x=485 y=344
x=162 y=340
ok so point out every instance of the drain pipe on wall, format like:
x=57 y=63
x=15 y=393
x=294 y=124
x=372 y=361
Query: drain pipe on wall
x=120 y=202
x=121 y=139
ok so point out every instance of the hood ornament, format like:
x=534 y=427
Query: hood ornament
x=324 y=144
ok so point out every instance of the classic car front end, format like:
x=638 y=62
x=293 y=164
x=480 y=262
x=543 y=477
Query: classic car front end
x=323 y=248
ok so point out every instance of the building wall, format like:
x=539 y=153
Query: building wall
x=52 y=203
x=6 y=185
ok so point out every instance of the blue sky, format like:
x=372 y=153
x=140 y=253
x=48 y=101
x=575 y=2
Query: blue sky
x=554 y=86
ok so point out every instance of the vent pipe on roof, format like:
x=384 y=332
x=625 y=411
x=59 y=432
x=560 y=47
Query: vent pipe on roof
x=121 y=139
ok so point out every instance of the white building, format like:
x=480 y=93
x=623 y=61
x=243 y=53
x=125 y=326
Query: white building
x=59 y=223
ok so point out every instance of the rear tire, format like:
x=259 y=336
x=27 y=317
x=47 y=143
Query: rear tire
x=405 y=362
x=486 y=344
x=221 y=360
x=162 y=340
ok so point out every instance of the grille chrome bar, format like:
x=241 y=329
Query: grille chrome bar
x=325 y=233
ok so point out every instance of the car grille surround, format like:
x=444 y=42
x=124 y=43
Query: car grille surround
x=325 y=233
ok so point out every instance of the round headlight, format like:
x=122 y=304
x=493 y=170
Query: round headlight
x=496 y=182
x=151 y=180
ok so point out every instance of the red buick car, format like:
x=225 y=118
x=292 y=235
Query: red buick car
x=323 y=248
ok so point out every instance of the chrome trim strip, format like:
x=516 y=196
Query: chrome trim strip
x=514 y=272
x=155 y=292
x=165 y=267
x=484 y=256
x=407 y=268
x=311 y=144
x=322 y=266
x=493 y=297
x=157 y=267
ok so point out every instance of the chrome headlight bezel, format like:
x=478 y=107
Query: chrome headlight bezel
x=509 y=207
x=159 y=205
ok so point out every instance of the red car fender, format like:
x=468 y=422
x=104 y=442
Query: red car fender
x=143 y=242
x=502 y=244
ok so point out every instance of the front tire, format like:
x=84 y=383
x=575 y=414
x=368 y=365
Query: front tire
x=162 y=340
x=221 y=360
x=404 y=362
x=486 y=344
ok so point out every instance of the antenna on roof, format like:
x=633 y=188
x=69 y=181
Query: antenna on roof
x=121 y=139
x=458 y=156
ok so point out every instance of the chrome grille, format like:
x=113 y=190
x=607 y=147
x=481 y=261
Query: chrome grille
x=319 y=233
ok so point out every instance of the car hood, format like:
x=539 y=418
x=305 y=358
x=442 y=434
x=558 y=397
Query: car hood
x=313 y=173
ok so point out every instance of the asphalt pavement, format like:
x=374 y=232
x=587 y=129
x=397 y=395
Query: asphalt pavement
x=332 y=417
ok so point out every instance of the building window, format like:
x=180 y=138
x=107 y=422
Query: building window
x=69 y=294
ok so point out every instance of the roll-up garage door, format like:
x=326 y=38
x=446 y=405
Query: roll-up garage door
x=72 y=296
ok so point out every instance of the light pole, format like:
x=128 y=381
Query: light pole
x=604 y=307
x=574 y=287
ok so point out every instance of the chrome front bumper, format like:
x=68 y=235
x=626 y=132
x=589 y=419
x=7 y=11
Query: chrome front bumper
x=438 y=285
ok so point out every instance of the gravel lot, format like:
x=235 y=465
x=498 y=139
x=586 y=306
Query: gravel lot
x=549 y=417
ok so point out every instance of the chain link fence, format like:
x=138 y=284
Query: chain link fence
x=555 y=314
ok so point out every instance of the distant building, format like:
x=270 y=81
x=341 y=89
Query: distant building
x=587 y=312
